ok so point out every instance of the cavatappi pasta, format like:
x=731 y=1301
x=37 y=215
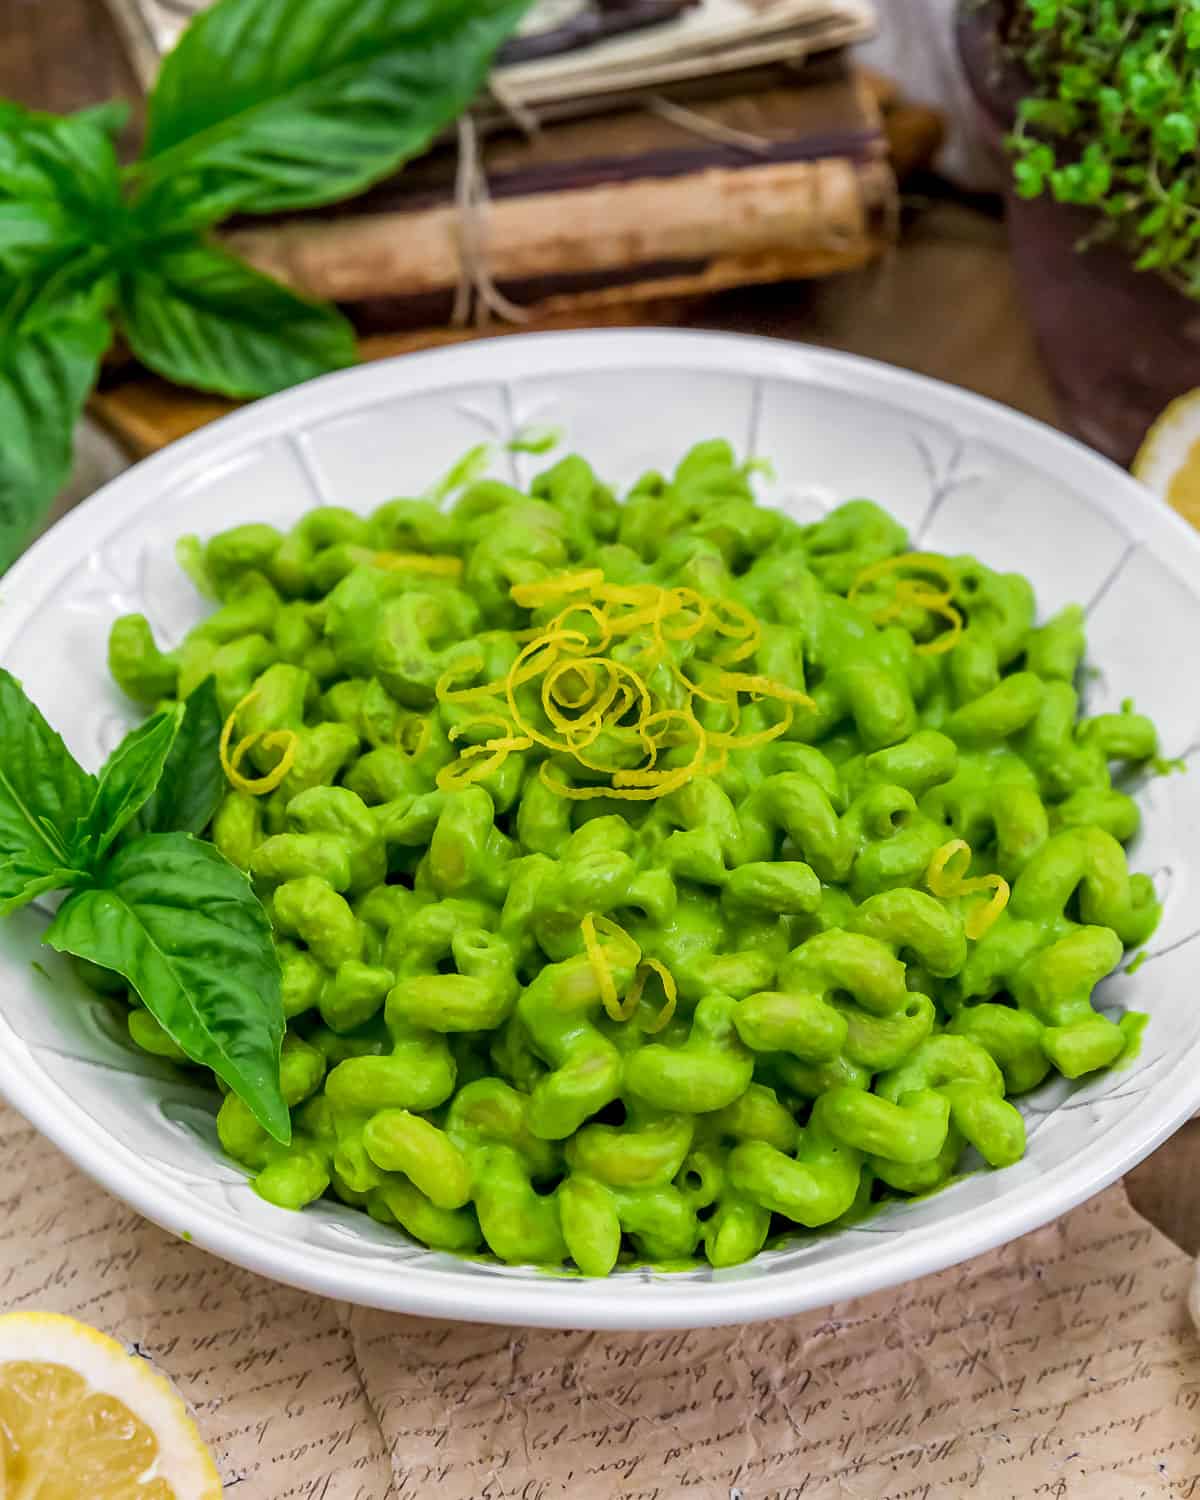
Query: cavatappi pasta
x=652 y=877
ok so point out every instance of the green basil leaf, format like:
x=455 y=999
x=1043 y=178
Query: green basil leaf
x=192 y=783
x=19 y=884
x=45 y=793
x=111 y=117
x=268 y=105
x=164 y=211
x=174 y=918
x=48 y=364
x=60 y=184
x=30 y=227
x=76 y=157
x=130 y=775
x=202 y=318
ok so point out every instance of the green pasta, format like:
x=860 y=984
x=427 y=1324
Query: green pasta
x=640 y=872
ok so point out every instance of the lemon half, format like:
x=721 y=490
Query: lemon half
x=81 y=1417
x=1168 y=461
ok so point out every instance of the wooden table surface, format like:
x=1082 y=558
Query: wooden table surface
x=943 y=304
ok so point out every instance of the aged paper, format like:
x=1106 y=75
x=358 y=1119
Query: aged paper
x=708 y=34
x=1062 y=1365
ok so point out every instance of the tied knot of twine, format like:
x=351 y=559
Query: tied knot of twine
x=477 y=294
x=477 y=290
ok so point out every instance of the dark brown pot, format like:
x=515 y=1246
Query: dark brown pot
x=1119 y=344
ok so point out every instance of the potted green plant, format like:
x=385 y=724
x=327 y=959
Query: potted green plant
x=1096 y=104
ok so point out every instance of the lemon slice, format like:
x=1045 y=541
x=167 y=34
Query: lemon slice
x=81 y=1417
x=1168 y=461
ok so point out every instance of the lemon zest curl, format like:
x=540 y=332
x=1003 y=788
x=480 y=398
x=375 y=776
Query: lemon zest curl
x=283 y=740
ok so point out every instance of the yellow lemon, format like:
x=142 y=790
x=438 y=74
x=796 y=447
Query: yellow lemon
x=81 y=1417
x=1168 y=461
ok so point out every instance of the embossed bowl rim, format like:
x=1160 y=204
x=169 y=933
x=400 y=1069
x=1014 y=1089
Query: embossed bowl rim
x=636 y=1299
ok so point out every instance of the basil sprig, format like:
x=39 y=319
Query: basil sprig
x=49 y=354
x=148 y=899
x=263 y=106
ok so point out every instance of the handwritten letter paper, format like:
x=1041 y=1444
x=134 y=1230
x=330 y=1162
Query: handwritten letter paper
x=1062 y=1365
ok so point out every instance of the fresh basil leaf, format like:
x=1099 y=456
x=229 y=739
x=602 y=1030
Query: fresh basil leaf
x=48 y=364
x=45 y=793
x=267 y=105
x=167 y=210
x=60 y=184
x=186 y=930
x=192 y=783
x=75 y=156
x=20 y=885
x=33 y=216
x=202 y=318
x=111 y=117
x=30 y=227
x=130 y=775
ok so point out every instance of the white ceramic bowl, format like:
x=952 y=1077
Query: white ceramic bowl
x=960 y=472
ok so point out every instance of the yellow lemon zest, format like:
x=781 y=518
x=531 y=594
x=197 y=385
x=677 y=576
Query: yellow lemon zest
x=600 y=965
x=533 y=595
x=461 y=773
x=283 y=740
x=724 y=694
x=468 y=664
x=743 y=628
x=943 y=878
x=981 y=919
x=619 y=794
x=583 y=697
x=650 y=777
x=636 y=617
x=595 y=615
x=918 y=592
x=948 y=638
x=937 y=603
x=919 y=562
x=631 y=594
x=459 y=730
x=946 y=877
x=766 y=687
x=725 y=740
x=911 y=592
x=589 y=697
x=694 y=608
x=670 y=993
